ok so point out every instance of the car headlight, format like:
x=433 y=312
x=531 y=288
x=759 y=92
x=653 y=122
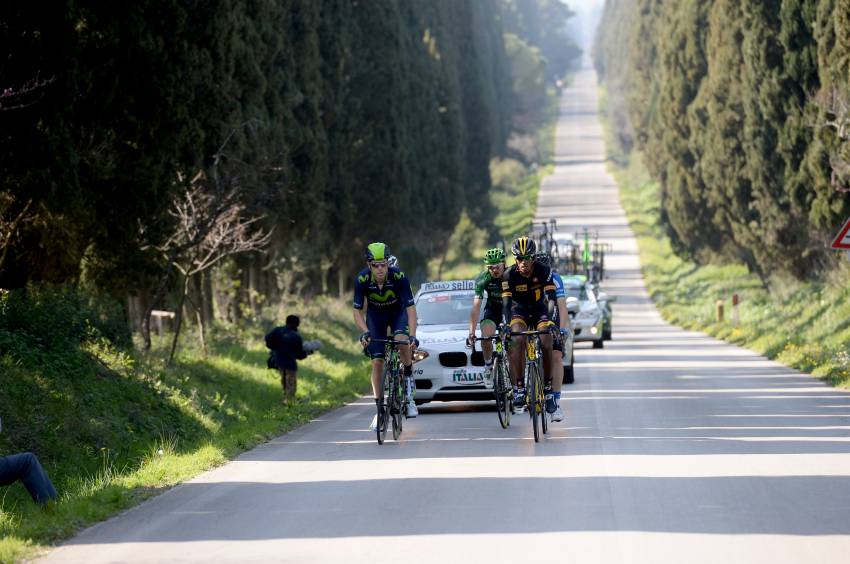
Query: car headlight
x=419 y=355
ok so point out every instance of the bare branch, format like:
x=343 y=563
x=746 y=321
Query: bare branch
x=30 y=92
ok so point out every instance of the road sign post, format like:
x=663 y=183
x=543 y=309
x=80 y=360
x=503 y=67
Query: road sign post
x=842 y=240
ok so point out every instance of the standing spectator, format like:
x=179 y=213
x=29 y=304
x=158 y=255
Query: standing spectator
x=26 y=467
x=287 y=348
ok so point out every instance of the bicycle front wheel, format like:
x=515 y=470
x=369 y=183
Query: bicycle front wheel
x=383 y=410
x=541 y=403
x=533 y=381
x=502 y=392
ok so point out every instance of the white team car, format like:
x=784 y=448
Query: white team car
x=448 y=369
x=588 y=322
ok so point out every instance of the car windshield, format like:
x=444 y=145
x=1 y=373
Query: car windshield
x=444 y=308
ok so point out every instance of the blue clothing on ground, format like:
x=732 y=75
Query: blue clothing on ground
x=26 y=467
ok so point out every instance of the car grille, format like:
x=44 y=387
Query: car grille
x=424 y=384
x=477 y=358
x=453 y=359
x=577 y=332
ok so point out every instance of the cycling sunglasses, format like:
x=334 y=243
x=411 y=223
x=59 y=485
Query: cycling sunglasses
x=525 y=257
x=378 y=264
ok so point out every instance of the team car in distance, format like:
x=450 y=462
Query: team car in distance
x=604 y=301
x=588 y=324
x=446 y=370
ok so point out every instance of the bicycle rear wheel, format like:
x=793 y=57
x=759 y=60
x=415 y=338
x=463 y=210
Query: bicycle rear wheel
x=533 y=381
x=502 y=392
x=397 y=406
x=541 y=403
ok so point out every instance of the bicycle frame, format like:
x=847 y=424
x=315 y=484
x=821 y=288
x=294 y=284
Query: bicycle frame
x=534 y=379
x=393 y=400
x=502 y=389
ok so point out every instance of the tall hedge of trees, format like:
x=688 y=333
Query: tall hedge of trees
x=337 y=122
x=742 y=112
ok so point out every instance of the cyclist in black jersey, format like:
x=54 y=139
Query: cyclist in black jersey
x=525 y=288
x=488 y=282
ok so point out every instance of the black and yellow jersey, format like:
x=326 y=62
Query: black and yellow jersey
x=527 y=290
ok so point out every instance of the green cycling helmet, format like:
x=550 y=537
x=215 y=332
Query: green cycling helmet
x=494 y=256
x=377 y=251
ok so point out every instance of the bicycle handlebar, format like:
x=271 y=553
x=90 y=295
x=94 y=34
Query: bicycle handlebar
x=529 y=333
x=389 y=341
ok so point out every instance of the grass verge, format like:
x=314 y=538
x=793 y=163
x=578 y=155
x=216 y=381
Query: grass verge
x=115 y=428
x=805 y=325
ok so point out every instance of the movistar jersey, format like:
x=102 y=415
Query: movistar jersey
x=485 y=282
x=394 y=294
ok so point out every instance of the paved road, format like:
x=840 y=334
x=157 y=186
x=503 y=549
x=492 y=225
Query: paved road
x=676 y=448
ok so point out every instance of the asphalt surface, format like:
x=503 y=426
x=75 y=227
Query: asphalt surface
x=676 y=448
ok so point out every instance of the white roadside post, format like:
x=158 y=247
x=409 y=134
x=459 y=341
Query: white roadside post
x=735 y=302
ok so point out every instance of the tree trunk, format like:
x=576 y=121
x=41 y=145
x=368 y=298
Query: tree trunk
x=201 y=334
x=160 y=293
x=178 y=324
x=251 y=269
x=341 y=283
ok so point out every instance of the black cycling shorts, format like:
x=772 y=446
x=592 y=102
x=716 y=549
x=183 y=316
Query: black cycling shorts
x=534 y=315
x=492 y=312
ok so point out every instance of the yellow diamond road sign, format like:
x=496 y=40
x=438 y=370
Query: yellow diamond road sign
x=842 y=241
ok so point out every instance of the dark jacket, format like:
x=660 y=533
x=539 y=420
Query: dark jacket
x=286 y=346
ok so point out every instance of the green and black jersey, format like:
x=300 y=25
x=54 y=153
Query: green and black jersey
x=484 y=282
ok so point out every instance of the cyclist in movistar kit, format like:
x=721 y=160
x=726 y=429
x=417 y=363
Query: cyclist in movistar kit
x=385 y=293
x=525 y=287
x=560 y=317
x=489 y=282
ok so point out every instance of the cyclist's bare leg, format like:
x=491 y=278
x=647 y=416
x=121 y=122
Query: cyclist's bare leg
x=557 y=358
x=377 y=371
x=546 y=346
x=487 y=330
x=404 y=351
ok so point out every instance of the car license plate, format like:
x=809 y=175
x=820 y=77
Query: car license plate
x=467 y=378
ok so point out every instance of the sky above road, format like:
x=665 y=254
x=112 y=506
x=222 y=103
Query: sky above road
x=587 y=16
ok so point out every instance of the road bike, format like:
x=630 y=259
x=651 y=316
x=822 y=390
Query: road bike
x=502 y=389
x=394 y=409
x=535 y=397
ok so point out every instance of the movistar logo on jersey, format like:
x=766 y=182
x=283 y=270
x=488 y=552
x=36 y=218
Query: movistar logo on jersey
x=363 y=277
x=398 y=275
x=382 y=299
